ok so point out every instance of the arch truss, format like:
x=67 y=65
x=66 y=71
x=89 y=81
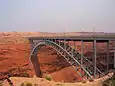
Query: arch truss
x=76 y=59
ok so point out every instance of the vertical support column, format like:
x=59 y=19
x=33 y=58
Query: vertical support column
x=95 y=56
x=114 y=52
x=64 y=47
x=72 y=49
x=107 y=57
x=55 y=40
x=75 y=45
x=51 y=39
x=34 y=60
x=68 y=42
x=59 y=44
x=82 y=52
x=32 y=44
x=59 y=41
x=64 y=44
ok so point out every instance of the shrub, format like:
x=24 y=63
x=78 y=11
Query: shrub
x=84 y=81
x=110 y=81
x=48 y=77
x=26 y=84
x=91 y=80
x=25 y=74
x=59 y=84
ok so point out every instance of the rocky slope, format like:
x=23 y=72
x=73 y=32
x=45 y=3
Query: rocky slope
x=14 y=59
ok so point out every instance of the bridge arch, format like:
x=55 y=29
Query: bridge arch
x=34 y=57
x=60 y=50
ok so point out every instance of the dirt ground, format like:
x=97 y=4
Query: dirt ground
x=14 y=60
x=17 y=81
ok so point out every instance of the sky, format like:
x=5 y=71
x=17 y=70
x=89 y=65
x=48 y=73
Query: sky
x=57 y=15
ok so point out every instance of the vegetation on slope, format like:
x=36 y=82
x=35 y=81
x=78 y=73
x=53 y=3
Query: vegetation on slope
x=110 y=81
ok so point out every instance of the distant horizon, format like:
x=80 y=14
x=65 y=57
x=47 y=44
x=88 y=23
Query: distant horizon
x=57 y=16
x=53 y=32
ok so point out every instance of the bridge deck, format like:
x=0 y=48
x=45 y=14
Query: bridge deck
x=102 y=37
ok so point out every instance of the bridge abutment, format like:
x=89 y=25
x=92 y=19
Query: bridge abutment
x=36 y=65
x=114 y=54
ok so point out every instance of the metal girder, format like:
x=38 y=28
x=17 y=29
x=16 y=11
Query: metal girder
x=95 y=56
x=82 y=51
x=73 y=58
x=107 y=57
x=76 y=61
x=114 y=53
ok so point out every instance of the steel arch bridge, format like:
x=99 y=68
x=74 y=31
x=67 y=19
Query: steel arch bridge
x=71 y=55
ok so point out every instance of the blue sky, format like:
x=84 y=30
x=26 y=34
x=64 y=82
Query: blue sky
x=57 y=15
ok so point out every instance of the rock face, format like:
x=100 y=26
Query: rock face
x=14 y=58
x=55 y=65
